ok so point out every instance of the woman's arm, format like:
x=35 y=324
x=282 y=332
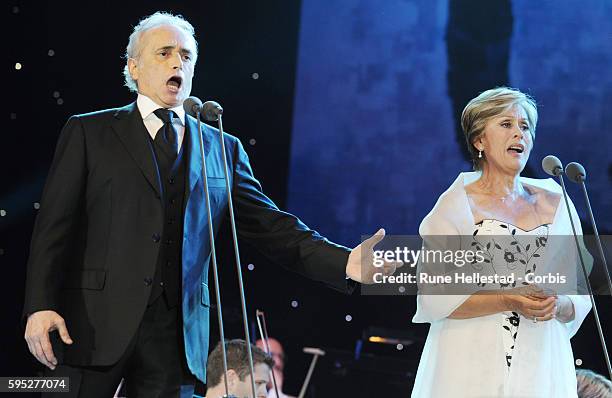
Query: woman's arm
x=529 y=302
x=482 y=303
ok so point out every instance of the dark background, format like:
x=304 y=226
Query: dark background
x=236 y=40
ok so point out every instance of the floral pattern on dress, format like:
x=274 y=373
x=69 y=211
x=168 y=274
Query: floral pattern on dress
x=508 y=249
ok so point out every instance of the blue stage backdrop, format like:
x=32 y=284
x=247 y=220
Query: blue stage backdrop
x=380 y=84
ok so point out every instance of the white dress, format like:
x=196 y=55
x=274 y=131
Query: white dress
x=468 y=357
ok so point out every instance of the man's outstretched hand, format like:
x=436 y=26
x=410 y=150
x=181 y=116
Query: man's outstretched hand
x=360 y=266
x=39 y=325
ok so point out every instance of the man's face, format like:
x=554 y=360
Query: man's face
x=163 y=67
x=243 y=388
x=277 y=353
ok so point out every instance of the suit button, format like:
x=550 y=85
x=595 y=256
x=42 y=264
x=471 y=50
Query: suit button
x=148 y=281
x=171 y=180
x=172 y=201
x=161 y=284
x=155 y=238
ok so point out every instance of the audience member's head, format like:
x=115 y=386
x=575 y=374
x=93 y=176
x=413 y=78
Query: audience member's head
x=276 y=351
x=238 y=374
x=593 y=385
x=280 y=359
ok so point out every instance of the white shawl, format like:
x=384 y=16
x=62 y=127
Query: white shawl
x=466 y=358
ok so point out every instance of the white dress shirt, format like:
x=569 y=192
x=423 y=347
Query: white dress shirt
x=147 y=106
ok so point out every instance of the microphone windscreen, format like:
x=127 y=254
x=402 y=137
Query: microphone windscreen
x=212 y=110
x=552 y=165
x=575 y=172
x=192 y=105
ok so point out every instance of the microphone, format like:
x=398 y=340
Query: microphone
x=552 y=165
x=193 y=106
x=208 y=111
x=576 y=173
x=212 y=111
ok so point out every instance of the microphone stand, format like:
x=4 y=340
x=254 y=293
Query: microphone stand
x=211 y=236
x=237 y=255
x=586 y=278
x=580 y=179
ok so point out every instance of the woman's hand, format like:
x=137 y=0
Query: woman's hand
x=565 y=309
x=531 y=301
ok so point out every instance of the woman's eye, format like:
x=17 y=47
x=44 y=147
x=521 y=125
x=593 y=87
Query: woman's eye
x=506 y=124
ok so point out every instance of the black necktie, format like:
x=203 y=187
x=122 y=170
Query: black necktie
x=166 y=138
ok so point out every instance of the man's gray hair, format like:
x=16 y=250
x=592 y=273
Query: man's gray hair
x=152 y=21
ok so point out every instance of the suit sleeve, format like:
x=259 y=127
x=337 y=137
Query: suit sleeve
x=281 y=236
x=53 y=239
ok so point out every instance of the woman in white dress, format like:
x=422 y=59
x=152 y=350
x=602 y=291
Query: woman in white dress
x=501 y=340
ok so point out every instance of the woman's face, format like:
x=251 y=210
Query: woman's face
x=506 y=141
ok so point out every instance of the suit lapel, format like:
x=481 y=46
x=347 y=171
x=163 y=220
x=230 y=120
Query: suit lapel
x=132 y=132
x=194 y=171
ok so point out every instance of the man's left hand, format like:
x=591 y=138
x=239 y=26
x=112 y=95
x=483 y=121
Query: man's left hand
x=360 y=266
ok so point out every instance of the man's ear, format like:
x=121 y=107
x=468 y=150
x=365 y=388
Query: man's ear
x=133 y=68
x=232 y=378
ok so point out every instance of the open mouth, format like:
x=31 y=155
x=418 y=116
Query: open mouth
x=174 y=83
x=516 y=148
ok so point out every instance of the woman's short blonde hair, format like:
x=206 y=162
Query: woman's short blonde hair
x=489 y=104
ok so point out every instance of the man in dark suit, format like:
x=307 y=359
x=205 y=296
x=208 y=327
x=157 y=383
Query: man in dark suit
x=120 y=251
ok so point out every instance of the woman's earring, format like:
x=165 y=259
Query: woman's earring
x=479 y=154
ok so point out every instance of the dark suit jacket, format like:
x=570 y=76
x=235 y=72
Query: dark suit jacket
x=93 y=244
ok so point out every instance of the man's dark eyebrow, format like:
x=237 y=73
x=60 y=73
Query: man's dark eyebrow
x=167 y=48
